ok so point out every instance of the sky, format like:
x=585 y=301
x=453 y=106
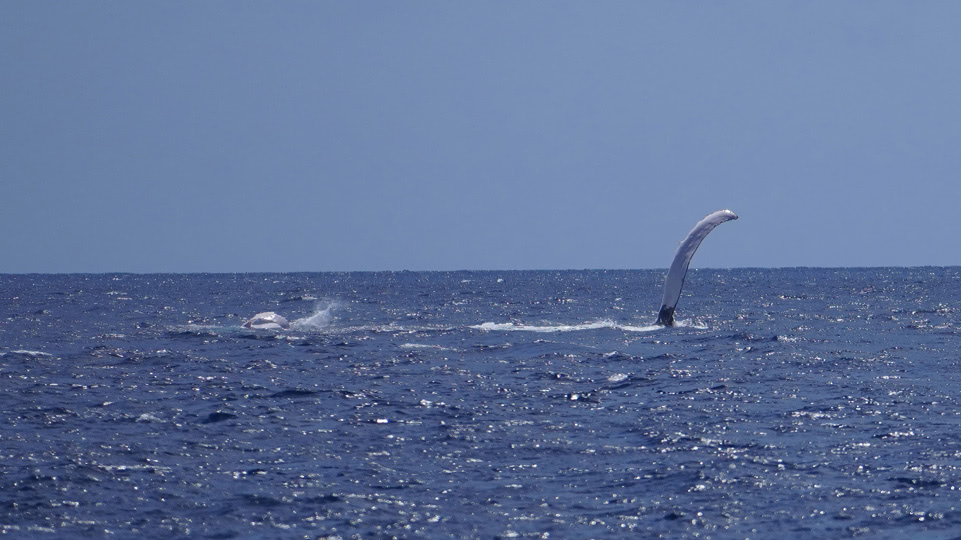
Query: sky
x=242 y=136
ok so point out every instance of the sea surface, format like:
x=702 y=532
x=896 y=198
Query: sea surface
x=787 y=403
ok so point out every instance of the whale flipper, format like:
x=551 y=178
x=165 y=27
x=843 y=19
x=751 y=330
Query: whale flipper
x=267 y=320
x=685 y=252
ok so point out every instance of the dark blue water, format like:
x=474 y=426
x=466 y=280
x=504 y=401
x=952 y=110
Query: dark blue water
x=805 y=403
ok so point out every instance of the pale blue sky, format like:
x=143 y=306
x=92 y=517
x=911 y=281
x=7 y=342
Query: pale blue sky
x=321 y=135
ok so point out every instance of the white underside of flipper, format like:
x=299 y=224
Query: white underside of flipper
x=267 y=320
x=682 y=259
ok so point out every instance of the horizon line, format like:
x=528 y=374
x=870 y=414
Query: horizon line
x=407 y=270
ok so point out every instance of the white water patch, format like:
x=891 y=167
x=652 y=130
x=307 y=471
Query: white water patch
x=690 y=324
x=320 y=319
x=594 y=325
x=642 y=328
x=27 y=354
x=424 y=346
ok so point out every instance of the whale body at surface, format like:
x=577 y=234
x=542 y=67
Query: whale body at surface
x=682 y=259
x=267 y=320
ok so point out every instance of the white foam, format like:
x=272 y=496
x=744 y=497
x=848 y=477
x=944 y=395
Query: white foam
x=594 y=325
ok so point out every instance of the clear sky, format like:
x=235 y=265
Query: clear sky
x=234 y=136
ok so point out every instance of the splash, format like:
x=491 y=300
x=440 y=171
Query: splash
x=319 y=320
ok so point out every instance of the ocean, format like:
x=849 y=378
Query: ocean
x=797 y=403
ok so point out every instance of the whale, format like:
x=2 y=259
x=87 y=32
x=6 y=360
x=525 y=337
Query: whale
x=682 y=259
x=268 y=320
